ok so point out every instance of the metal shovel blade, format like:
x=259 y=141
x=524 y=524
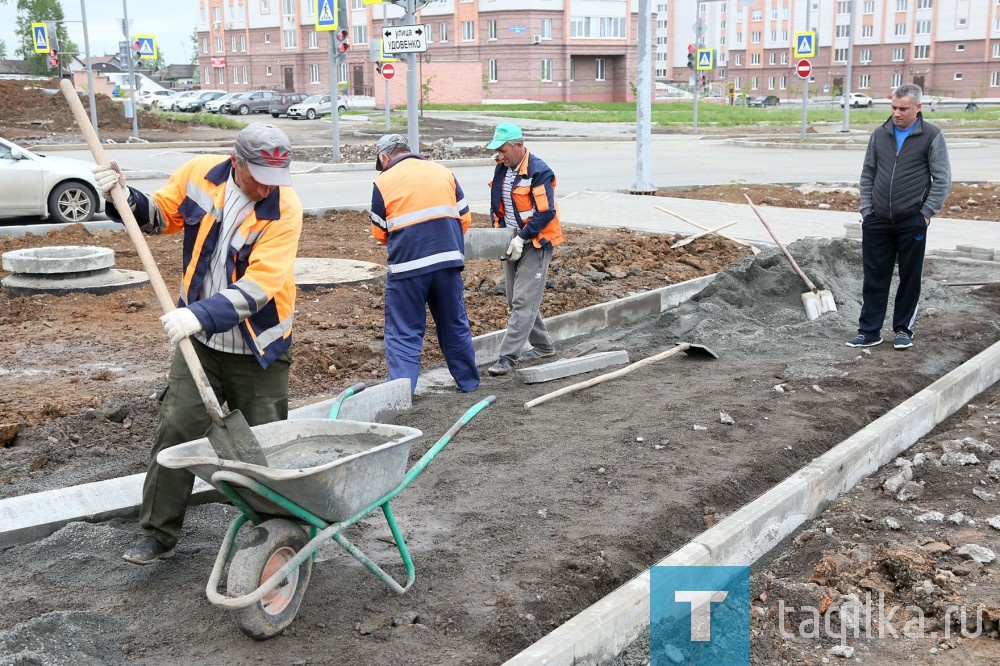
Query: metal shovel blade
x=232 y=438
x=697 y=350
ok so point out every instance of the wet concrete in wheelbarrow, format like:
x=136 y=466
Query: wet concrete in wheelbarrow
x=527 y=517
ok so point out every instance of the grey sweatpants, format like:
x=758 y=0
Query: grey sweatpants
x=525 y=283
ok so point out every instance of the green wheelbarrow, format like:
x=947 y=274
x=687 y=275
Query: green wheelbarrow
x=323 y=475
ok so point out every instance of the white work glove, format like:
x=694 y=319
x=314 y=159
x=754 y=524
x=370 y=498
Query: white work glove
x=515 y=248
x=107 y=178
x=180 y=323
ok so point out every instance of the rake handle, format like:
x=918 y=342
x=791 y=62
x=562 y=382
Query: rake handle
x=788 y=256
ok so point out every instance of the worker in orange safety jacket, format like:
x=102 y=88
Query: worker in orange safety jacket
x=419 y=213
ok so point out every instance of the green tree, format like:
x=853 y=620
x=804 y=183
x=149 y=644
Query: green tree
x=37 y=11
x=193 y=60
x=3 y=50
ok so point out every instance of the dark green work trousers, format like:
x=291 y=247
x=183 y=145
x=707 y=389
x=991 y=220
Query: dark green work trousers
x=260 y=394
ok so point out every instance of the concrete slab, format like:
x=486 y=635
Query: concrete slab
x=380 y=403
x=601 y=631
x=567 y=367
x=319 y=272
x=481 y=243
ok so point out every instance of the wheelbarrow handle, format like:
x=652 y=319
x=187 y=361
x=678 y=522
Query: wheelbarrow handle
x=341 y=397
x=425 y=460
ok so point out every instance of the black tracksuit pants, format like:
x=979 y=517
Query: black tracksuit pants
x=883 y=243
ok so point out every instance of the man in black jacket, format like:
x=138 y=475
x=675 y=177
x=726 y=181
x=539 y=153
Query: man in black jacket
x=904 y=181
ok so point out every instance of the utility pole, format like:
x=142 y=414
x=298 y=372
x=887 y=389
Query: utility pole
x=805 y=83
x=643 y=106
x=90 y=69
x=127 y=29
x=847 y=79
x=412 y=85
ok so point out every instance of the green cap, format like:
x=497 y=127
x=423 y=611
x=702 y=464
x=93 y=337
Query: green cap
x=505 y=132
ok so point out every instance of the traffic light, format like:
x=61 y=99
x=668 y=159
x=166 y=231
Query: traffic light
x=704 y=80
x=342 y=39
x=54 y=58
x=691 y=56
x=136 y=53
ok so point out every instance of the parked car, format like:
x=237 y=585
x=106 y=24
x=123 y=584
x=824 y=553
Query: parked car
x=858 y=100
x=215 y=105
x=281 y=101
x=316 y=105
x=149 y=99
x=170 y=103
x=35 y=184
x=255 y=101
x=764 y=100
x=196 y=103
x=225 y=105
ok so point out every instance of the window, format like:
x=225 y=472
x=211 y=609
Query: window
x=958 y=76
x=547 y=28
x=900 y=29
x=739 y=37
x=772 y=59
x=310 y=12
x=342 y=73
x=753 y=83
x=921 y=51
x=925 y=4
x=867 y=31
x=923 y=27
x=290 y=39
x=784 y=58
x=572 y=69
x=996 y=50
x=243 y=43
x=430 y=32
x=236 y=74
x=755 y=37
x=840 y=55
x=994 y=79
x=288 y=7
x=770 y=83
x=738 y=59
x=267 y=38
x=444 y=32
x=232 y=43
x=754 y=58
x=492 y=72
x=902 y=5
x=866 y=55
x=357 y=4
x=959 y=48
x=313 y=73
x=864 y=82
x=597 y=27
x=897 y=80
x=843 y=31
x=468 y=31
x=756 y=15
x=313 y=39
x=546 y=69
x=359 y=33
x=204 y=44
x=738 y=82
x=844 y=7
x=869 y=7
x=898 y=55
x=221 y=77
x=774 y=36
x=491 y=29
x=782 y=82
x=601 y=64
x=218 y=45
x=265 y=6
x=267 y=70
x=246 y=76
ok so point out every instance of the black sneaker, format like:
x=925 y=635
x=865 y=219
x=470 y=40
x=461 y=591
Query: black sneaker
x=503 y=366
x=862 y=340
x=535 y=353
x=146 y=551
x=902 y=341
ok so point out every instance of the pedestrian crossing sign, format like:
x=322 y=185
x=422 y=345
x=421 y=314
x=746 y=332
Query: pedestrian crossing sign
x=40 y=34
x=147 y=47
x=805 y=44
x=706 y=60
x=326 y=15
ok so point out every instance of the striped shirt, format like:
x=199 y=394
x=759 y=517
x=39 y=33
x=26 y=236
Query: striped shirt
x=510 y=210
x=235 y=210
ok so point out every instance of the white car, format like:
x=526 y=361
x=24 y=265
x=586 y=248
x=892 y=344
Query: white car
x=148 y=99
x=215 y=105
x=170 y=103
x=858 y=100
x=41 y=185
x=315 y=105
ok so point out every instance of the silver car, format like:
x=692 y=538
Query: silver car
x=315 y=105
x=170 y=103
x=41 y=185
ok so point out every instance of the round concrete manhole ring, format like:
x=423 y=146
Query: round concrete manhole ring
x=312 y=273
x=72 y=259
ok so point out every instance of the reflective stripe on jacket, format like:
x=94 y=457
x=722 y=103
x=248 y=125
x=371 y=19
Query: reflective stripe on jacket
x=260 y=297
x=419 y=212
x=534 y=195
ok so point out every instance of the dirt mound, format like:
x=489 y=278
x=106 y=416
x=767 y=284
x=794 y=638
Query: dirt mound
x=36 y=110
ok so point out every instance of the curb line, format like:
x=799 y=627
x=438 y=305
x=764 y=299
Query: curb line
x=603 y=630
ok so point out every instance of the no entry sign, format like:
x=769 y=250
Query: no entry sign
x=803 y=68
x=388 y=71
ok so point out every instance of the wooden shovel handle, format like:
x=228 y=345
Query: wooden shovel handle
x=572 y=388
x=120 y=199
x=788 y=256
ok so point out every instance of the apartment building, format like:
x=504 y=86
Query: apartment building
x=586 y=50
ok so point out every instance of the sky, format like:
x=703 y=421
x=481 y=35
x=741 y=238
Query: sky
x=171 y=24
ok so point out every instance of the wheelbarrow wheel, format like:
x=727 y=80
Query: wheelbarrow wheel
x=273 y=543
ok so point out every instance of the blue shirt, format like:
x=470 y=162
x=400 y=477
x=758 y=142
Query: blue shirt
x=901 y=135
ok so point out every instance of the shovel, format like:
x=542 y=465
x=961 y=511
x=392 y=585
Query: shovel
x=817 y=301
x=229 y=434
x=686 y=347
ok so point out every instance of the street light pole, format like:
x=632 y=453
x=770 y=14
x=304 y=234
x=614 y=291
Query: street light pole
x=131 y=76
x=847 y=79
x=90 y=68
x=643 y=105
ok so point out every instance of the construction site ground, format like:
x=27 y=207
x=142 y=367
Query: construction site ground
x=528 y=516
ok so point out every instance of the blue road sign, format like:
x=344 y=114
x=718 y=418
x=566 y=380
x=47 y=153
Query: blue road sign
x=326 y=15
x=706 y=60
x=805 y=44
x=147 y=47
x=40 y=34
